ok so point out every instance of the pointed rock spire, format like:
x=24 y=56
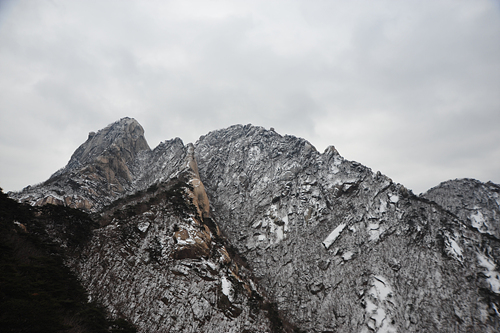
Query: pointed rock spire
x=124 y=137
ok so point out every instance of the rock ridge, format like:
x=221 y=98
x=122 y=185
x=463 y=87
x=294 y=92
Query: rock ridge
x=124 y=138
x=258 y=231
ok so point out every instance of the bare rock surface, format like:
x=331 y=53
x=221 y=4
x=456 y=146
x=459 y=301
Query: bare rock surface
x=251 y=231
x=341 y=248
x=113 y=162
x=156 y=263
x=475 y=203
x=115 y=146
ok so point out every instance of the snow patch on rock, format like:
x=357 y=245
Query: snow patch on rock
x=254 y=154
x=347 y=255
x=143 y=226
x=374 y=231
x=492 y=275
x=379 y=306
x=227 y=288
x=479 y=222
x=333 y=235
x=394 y=198
x=453 y=248
x=383 y=206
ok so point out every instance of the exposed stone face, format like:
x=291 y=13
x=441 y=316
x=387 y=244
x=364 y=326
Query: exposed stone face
x=122 y=141
x=475 y=203
x=165 y=271
x=113 y=162
x=251 y=230
x=341 y=248
x=108 y=154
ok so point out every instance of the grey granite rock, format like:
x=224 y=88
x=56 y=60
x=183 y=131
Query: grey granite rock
x=475 y=203
x=340 y=248
x=114 y=162
x=251 y=231
x=157 y=264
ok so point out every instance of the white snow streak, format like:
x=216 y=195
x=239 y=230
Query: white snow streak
x=453 y=248
x=227 y=288
x=456 y=248
x=333 y=236
x=493 y=277
x=378 y=306
x=479 y=222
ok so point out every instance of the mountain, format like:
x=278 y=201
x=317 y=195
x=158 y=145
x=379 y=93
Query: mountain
x=251 y=231
x=38 y=293
x=475 y=203
x=99 y=171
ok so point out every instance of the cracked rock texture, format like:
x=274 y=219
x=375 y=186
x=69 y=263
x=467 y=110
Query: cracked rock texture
x=251 y=231
x=157 y=264
x=113 y=162
x=341 y=248
x=475 y=203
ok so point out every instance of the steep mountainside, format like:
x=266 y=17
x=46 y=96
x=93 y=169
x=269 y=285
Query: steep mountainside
x=251 y=231
x=113 y=162
x=475 y=203
x=38 y=293
x=341 y=248
x=160 y=260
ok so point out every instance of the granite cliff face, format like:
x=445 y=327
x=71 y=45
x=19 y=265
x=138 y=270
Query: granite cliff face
x=341 y=248
x=251 y=231
x=475 y=203
x=160 y=261
x=113 y=162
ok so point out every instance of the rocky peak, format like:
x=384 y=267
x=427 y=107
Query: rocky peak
x=474 y=202
x=124 y=137
x=335 y=244
x=291 y=240
x=99 y=171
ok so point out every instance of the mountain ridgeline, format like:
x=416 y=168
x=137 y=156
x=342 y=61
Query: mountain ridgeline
x=251 y=231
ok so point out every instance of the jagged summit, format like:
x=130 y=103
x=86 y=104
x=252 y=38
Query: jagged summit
x=124 y=137
x=476 y=203
x=250 y=133
x=319 y=243
x=102 y=169
x=117 y=160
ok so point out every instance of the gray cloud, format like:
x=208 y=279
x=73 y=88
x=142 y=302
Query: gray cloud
x=408 y=88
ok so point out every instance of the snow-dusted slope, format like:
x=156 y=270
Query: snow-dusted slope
x=341 y=248
x=475 y=203
x=113 y=162
x=329 y=245
x=159 y=263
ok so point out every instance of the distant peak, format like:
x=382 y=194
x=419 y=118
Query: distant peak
x=125 y=135
x=124 y=124
x=331 y=150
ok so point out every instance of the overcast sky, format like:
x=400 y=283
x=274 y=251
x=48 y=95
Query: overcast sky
x=409 y=88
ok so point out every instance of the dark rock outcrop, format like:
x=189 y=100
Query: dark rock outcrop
x=38 y=293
